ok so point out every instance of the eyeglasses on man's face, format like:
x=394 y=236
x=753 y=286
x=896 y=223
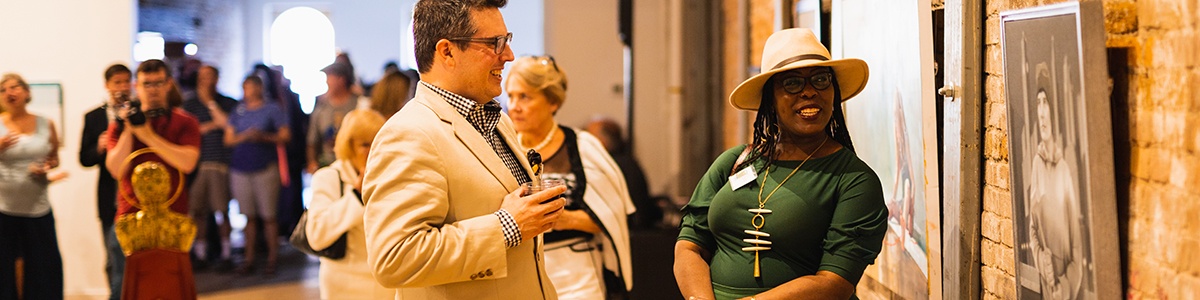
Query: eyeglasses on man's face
x=794 y=84
x=154 y=84
x=498 y=42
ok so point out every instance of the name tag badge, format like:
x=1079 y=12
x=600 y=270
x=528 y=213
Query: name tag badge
x=741 y=178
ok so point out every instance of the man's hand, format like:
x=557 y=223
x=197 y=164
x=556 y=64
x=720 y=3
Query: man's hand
x=532 y=216
x=102 y=143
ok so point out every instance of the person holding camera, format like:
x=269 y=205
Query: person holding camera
x=92 y=151
x=148 y=122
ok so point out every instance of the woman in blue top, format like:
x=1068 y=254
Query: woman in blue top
x=28 y=150
x=256 y=128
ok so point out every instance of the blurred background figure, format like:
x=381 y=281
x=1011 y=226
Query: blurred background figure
x=356 y=85
x=391 y=67
x=92 y=149
x=276 y=89
x=390 y=93
x=255 y=130
x=328 y=112
x=28 y=151
x=648 y=214
x=587 y=252
x=337 y=209
x=189 y=73
x=210 y=186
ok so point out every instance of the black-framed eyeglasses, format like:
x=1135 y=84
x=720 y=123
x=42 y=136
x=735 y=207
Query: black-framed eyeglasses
x=548 y=61
x=795 y=84
x=498 y=43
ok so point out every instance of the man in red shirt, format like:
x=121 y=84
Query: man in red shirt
x=172 y=132
x=175 y=137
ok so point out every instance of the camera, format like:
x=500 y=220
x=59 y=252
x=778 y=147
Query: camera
x=136 y=117
x=120 y=98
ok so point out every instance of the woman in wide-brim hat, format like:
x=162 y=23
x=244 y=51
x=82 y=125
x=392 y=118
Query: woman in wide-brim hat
x=796 y=212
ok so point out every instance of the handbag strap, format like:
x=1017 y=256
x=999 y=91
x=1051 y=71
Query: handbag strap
x=342 y=187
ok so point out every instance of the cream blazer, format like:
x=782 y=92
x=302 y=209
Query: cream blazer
x=431 y=185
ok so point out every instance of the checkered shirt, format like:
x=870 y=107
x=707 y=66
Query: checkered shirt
x=484 y=118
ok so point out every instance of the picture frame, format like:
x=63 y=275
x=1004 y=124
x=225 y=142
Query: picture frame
x=1060 y=152
x=893 y=126
x=48 y=102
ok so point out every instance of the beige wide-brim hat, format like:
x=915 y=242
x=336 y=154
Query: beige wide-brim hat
x=796 y=48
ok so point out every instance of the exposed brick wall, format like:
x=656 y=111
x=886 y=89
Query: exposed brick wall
x=1164 y=128
x=1157 y=120
x=1163 y=124
x=214 y=25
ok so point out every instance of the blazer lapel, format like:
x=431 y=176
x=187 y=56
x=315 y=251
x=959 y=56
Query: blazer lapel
x=510 y=136
x=468 y=136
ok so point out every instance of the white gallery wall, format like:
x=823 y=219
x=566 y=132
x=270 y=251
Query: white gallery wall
x=71 y=43
x=583 y=38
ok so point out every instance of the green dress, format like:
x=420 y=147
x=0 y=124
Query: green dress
x=829 y=216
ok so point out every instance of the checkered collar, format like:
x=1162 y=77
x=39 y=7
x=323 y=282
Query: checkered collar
x=483 y=117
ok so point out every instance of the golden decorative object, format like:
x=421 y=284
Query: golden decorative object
x=154 y=226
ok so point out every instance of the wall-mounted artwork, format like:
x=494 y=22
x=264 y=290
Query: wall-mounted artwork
x=892 y=123
x=47 y=101
x=1060 y=152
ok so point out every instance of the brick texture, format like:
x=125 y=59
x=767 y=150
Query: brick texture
x=1162 y=39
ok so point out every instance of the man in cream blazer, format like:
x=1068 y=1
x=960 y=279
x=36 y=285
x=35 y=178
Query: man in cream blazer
x=444 y=216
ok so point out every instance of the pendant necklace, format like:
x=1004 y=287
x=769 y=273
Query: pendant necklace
x=756 y=240
x=545 y=141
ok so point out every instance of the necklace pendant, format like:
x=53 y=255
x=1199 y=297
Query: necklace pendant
x=756 y=241
x=758 y=233
x=755 y=248
x=760 y=211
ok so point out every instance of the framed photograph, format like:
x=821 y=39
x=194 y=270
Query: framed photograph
x=48 y=102
x=1060 y=152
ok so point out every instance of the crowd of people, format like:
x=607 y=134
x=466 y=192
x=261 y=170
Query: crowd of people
x=425 y=188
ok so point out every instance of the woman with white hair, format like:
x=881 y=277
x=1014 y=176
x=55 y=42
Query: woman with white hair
x=587 y=252
x=337 y=210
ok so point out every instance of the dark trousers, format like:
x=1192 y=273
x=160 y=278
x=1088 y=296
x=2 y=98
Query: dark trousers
x=35 y=241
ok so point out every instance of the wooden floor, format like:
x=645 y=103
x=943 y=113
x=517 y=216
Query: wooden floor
x=296 y=276
x=306 y=289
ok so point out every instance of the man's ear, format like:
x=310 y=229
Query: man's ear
x=444 y=49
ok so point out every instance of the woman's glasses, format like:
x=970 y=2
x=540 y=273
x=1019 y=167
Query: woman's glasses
x=819 y=81
x=498 y=43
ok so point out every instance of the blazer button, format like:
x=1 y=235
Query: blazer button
x=488 y=272
x=474 y=276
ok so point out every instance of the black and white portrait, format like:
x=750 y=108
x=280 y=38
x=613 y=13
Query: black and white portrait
x=1048 y=157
